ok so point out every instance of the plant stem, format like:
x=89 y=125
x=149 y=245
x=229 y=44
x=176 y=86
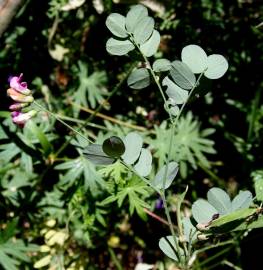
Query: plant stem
x=153 y=215
x=130 y=168
x=109 y=118
x=190 y=93
x=174 y=124
x=115 y=259
x=171 y=226
x=61 y=121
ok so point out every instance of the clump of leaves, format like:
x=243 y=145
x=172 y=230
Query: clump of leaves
x=13 y=251
x=91 y=88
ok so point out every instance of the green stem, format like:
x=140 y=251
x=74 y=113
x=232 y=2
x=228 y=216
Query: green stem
x=115 y=259
x=190 y=94
x=215 y=256
x=61 y=121
x=174 y=124
x=253 y=114
x=229 y=242
x=162 y=193
x=130 y=168
x=156 y=80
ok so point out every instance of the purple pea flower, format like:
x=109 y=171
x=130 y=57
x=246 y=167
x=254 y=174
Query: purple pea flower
x=19 y=97
x=18 y=106
x=21 y=87
x=22 y=96
x=21 y=118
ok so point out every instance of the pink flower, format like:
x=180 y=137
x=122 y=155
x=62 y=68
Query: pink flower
x=19 y=86
x=18 y=106
x=22 y=96
x=21 y=118
x=18 y=96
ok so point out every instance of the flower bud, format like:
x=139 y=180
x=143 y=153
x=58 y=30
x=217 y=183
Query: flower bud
x=20 y=118
x=18 y=97
x=19 y=86
x=18 y=106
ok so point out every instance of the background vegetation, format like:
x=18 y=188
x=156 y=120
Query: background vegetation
x=55 y=206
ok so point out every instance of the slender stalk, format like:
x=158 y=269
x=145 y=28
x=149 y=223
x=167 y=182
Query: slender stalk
x=130 y=168
x=190 y=94
x=115 y=259
x=153 y=215
x=253 y=114
x=162 y=194
x=174 y=124
x=109 y=118
x=229 y=242
x=215 y=256
x=61 y=121
x=167 y=212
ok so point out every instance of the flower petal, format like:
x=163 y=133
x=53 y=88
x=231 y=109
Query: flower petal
x=18 y=106
x=19 y=86
x=20 y=118
x=18 y=96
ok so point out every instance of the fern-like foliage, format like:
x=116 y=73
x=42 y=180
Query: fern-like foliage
x=91 y=88
x=135 y=192
x=79 y=168
x=190 y=144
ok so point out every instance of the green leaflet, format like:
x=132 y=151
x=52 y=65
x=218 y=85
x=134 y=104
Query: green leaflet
x=116 y=24
x=139 y=78
x=150 y=47
x=161 y=65
x=144 y=165
x=134 y=16
x=182 y=75
x=113 y=147
x=143 y=30
x=119 y=47
x=166 y=175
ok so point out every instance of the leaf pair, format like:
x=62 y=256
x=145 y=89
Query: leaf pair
x=136 y=29
x=130 y=150
x=219 y=203
x=194 y=61
x=134 y=151
x=213 y=66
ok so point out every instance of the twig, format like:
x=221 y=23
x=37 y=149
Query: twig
x=109 y=118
